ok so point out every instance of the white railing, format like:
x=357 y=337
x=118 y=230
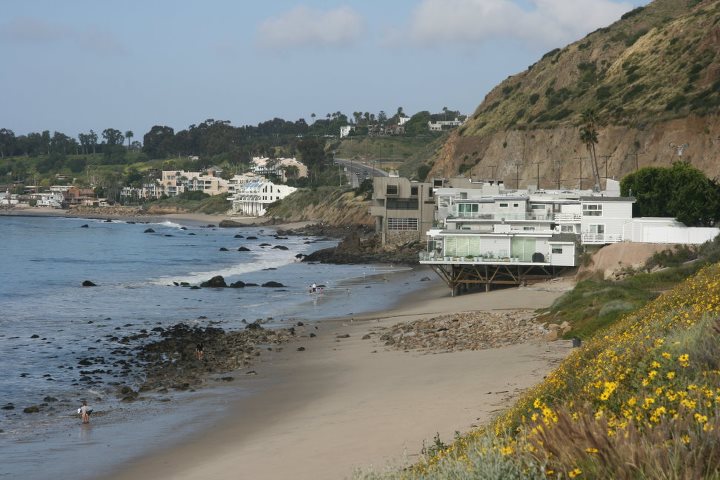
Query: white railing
x=568 y=217
x=501 y=216
x=601 y=238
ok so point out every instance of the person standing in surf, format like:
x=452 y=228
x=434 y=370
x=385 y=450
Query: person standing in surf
x=85 y=412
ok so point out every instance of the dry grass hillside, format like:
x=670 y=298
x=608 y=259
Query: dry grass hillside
x=652 y=78
x=332 y=206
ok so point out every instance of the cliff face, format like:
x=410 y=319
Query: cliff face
x=652 y=80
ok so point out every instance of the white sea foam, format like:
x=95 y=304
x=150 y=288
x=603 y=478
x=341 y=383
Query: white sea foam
x=257 y=264
x=168 y=223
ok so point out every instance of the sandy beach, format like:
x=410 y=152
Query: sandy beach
x=348 y=402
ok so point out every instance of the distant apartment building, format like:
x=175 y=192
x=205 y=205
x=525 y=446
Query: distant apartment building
x=403 y=210
x=253 y=197
x=440 y=125
x=75 y=196
x=279 y=168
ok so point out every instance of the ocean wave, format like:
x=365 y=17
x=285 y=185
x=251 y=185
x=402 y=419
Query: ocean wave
x=257 y=264
x=168 y=223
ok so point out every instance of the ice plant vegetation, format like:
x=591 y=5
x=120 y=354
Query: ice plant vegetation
x=639 y=400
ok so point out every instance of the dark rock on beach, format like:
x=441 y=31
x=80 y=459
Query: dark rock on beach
x=172 y=362
x=149 y=230
x=88 y=283
x=243 y=249
x=238 y=284
x=230 y=224
x=85 y=226
x=272 y=285
x=280 y=247
x=215 y=282
x=238 y=236
x=31 y=409
x=223 y=249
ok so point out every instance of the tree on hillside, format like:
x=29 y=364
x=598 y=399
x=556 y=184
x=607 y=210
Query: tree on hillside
x=113 y=136
x=7 y=142
x=129 y=134
x=158 y=142
x=680 y=191
x=589 y=136
x=93 y=138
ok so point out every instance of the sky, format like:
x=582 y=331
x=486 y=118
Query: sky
x=76 y=65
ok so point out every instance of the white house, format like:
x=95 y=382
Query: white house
x=252 y=198
x=278 y=167
x=345 y=130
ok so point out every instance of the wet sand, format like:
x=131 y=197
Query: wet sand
x=346 y=402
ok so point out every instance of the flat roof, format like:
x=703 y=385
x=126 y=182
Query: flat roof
x=607 y=199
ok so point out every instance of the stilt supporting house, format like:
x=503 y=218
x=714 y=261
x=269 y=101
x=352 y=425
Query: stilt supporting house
x=462 y=278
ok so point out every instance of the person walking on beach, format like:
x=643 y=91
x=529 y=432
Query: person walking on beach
x=85 y=412
x=199 y=351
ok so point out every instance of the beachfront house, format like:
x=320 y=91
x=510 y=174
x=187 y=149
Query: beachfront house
x=253 y=197
x=486 y=234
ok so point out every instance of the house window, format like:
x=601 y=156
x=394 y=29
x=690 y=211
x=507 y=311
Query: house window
x=502 y=205
x=557 y=250
x=592 y=209
x=567 y=229
x=537 y=207
x=402 y=224
x=598 y=229
x=391 y=190
x=467 y=208
x=413 y=191
x=402 y=204
x=515 y=204
x=529 y=229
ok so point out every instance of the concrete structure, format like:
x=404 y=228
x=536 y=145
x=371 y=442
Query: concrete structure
x=252 y=198
x=403 y=210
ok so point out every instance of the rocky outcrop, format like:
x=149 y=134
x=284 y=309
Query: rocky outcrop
x=463 y=331
x=215 y=282
x=172 y=362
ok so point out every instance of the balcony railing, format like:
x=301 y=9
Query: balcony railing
x=568 y=217
x=439 y=257
x=502 y=216
x=600 y=238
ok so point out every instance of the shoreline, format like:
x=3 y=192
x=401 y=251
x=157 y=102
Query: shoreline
x=347 y=401
x=150 y=217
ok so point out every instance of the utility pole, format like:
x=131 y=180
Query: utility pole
x=493 y=167
x=606 y=157
x=635 y=154
x=558 y=173
x=580 y=178
x=538 y=174
x=517 y=175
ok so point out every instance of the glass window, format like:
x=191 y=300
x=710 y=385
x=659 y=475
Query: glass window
x=402 y=224
x=592 y=209
x=392 y=190
x=557 y=250
x=414 y=191
x=503 y=205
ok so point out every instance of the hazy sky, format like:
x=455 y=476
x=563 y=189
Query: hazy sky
x=76 y=65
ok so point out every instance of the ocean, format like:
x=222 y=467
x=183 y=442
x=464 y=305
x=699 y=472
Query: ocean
x=49 y=323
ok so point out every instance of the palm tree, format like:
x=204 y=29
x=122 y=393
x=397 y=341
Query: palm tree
x=129 y=134
x=589 y=136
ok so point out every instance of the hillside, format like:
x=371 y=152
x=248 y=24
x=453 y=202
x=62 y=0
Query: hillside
x=329 y=205
x=652 y=78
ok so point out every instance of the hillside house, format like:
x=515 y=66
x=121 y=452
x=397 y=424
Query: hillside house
x=252 y=198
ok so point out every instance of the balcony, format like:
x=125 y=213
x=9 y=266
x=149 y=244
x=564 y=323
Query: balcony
x=600 y=238
x=568 y=217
